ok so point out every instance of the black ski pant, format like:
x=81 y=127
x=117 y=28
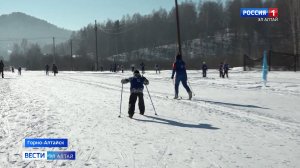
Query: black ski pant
x=204 y=73
x=221 y=74
x=2 y=73
x=226 y=74
x=143 y=70
x=132 y=99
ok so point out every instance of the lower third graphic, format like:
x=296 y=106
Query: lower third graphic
x=49 y=155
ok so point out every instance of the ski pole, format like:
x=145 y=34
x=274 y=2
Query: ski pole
x=191 y=87
x=121 y=101
x=151 y=100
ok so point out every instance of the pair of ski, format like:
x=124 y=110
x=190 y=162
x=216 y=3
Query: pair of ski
x=179 y=98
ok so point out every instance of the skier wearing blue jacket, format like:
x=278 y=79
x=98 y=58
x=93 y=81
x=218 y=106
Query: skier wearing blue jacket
x=137 y=83
x=226 y=69
x=181 y=76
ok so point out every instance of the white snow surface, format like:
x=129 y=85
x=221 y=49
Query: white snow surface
x=233 y=122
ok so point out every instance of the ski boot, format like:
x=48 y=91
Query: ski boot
x=130 y=115
x=190 y=95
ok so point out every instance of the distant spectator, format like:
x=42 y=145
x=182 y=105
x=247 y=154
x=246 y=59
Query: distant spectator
x=221 y=70
x=142 y=67
x=204 y=69
x=54 y=69
x=226 y=69
x=2 y=68
x=47 y=69
x=115 y=67
x=157 y=68
x=122 y=68
x=132 y=67
x=19 y=70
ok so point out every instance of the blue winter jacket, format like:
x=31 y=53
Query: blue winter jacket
x=179 y=69
x=137 y=83
x=226 y=67
x=204 y=67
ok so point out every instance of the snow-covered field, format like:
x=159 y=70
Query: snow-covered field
x=231 y=122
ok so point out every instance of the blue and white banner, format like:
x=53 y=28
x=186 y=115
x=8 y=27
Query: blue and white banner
x=45 y=142
x=265 y=67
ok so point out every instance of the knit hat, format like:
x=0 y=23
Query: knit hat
x=178 y=56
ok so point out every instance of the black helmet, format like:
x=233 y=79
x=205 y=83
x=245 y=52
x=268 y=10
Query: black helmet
x=136 y=72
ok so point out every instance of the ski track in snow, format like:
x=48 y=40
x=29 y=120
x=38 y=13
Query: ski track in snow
x=229 y=123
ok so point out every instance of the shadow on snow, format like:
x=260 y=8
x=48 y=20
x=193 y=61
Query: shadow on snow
x=176 y=123
x=230 y=104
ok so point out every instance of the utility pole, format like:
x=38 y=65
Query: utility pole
x=96 y=36
x=178 y=28
x=71 y=45
x=53 y=50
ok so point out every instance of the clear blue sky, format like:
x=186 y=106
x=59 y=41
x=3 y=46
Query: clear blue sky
x=74 y=14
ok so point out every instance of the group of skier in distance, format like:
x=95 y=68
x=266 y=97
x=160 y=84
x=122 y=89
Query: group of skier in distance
x=47 y=67
x=12 y=69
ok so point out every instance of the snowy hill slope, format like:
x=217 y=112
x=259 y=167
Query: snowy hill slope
x=229 y=123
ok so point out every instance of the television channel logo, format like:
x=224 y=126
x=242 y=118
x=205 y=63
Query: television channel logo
x=263 y=14
x=49 y=155
x=34 y=155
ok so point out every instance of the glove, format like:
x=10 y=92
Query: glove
x=146 y=82
x=123 y=81
x=172 y=77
